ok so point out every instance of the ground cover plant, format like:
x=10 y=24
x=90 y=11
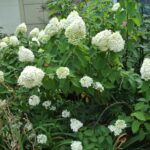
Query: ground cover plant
x=81 y=83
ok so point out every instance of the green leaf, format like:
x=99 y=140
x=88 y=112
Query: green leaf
x=101 y=139
x=139 y=115
x=147 y=126
x=135 y=126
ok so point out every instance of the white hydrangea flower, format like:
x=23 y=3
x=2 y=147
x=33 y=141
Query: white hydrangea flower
x=3 y=45
x=28 y=126
x=2 y=103
x=47 y=104
x=62 y=72
x=118 y=127
x=116 y=42
x=121 y=124
x=25 y=55
x=6 y=40
x=34 y=32
x=75 y=125
x=41 y=139
x=145 y=69
x=52 y=27
x=101 y=40
x=111 y=128
x=43 y=38
x=76 y=31
x=117 y=131
x=76 y=145
x=34 y=39
x=86 y=81
x=98 y=86
x=1 y=76
x=31 y=77
x=22 y=28
x=53 y=108
x=66 y=114
x=63 y=24
x=115 y=6
x=73 y=16
x=13 y=40
x=34 y=100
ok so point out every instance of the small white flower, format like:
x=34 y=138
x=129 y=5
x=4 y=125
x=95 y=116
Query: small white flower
x=47 y=104
x=41 y=139
x=86 y=81
x=3 y=45
x=28 y=126
x=118 y=127
x=62 y=72
x=117 y=131
x=75 y=125
x=25 y=55
x=66 y=114
x=53 y=108
x=13 y=144
x=115 y=6
x=98 y=86
x=34 y=39
x=34 y=100
x=22 y=28
x=34 y=32
x=76 y=145
x=31 y=77
x=145 y=69
x=121 y=124
x=112 y=128
x=13 y=40
x=1 y=76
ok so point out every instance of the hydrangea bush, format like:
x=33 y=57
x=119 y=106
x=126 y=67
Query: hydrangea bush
x=74 y=85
